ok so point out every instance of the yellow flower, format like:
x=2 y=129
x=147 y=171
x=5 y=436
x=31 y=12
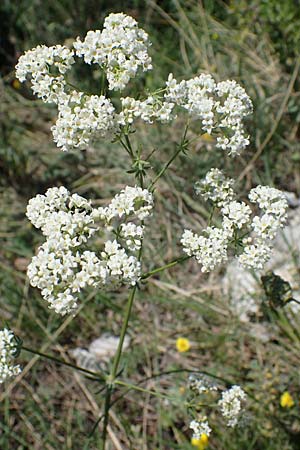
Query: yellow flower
x=183 y=344
x=16 y=84
x=207 y=137
x=286 y=400
x=201 y=443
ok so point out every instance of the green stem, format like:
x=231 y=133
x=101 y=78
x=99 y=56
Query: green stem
x=126 y=148
x=182 y=146
x=64 y=363
x=106 y=415
x=123 y=333
x=166 y=266
x=147 y=391
x=211 y=215
x=129 y=145
x=162 y=171
x=114 y=372
x=112 y=378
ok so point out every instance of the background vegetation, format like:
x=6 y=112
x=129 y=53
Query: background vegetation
x=258 y=44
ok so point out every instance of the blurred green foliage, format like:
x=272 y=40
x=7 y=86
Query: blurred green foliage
x=279 y=20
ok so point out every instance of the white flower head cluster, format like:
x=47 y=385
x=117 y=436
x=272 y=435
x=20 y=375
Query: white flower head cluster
x=121 y=51
x=46 y=66
x=133 y=201
x=149 y=110
x=231 y=404
x=63 y=218
x=121 y=48
x=216 y=188
x=62 y=269
x=274 y=205
x=8 y=350
x=221 y=107
x=83 y=119
x=201 y=384
x=211 y=248
x=199 y=428
x=133 y=235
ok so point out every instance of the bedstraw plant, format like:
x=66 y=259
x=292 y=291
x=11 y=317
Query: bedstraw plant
x=88 y=246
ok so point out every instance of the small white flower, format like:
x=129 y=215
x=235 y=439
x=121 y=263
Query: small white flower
x=255 y=255
x=231 y=404
x=199 y=428
x=121 y=48
x=216 y=188
x=38 y=64
x=201 y=384
x=62 y=269
x=238 y=213
x=221 y=107
x=209 y=250
x=133 y=235
x=131 y=201
x=7 y=355
x=82 y=119
x=270 y=200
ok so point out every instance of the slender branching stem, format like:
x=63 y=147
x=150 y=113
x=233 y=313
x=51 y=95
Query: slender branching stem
x=95 y=375
x=123 y=333
x=112 y=379
x=181 y=147
x=173 y=263
x=107 y=406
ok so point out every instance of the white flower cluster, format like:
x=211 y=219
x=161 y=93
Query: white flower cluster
x=131 y=201
x=201 y=384
x=46 y=67
x=61 y=269
x=63 y=218
x=7 y=354
x=83 y=119
x=211 y=248
x=149 y=110
x=220 y=106
x=120 y=49
x=133 y=235
x=199 y=428
x=216 y=188
x=231 y=404
x=274 y=205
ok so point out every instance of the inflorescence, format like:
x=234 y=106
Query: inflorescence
x=247 y=236
x=120 y=51
x=230 y=405
x=8 y=351
x=64 y=265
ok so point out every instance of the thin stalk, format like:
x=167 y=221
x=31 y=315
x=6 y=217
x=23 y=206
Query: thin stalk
x=166 y=266
x=162 y=171
x=181 y=147
x=126 y=148
x=106 y=415
x=146 y=391
x=63 y=363
x=140 y=389
x=112 y=377
x=129 y=144
x=123 y=332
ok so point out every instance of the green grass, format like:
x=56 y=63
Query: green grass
x=51 y=408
